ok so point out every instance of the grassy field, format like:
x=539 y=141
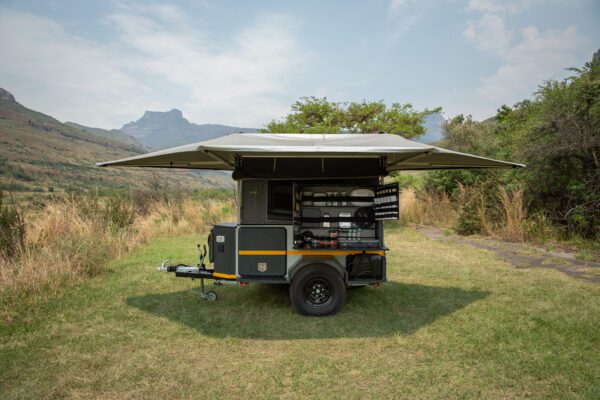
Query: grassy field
x=453 y=322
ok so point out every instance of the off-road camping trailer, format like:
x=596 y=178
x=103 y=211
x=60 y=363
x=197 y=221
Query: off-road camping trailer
x=311 y=208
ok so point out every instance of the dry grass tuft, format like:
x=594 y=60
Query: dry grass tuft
x=69 y=241
x=514 y=222
x=474 y=209
x=427 y=208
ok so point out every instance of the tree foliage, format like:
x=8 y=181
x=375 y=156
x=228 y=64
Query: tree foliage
x=557 y=134
x=319 y=115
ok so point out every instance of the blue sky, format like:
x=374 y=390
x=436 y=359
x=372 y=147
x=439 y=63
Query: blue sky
x=243 y=63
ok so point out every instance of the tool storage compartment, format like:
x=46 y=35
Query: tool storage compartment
x=343 y=214
x=262 y=251
x=366 y=266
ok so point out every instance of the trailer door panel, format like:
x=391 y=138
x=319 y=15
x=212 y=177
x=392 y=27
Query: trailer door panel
x=222 y=249
x=387 y=202
x=262 y=251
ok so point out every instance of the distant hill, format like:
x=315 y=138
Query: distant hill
x=433 y=123
x=160 y=130
x=114 y=134
x=40 y=154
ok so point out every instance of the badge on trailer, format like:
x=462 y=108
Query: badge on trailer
x=262 y=266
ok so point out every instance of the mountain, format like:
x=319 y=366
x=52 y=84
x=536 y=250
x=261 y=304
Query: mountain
x=434 y=125
x=114 y=134
x=5 y=95
x=159 y=130
x=41 y=154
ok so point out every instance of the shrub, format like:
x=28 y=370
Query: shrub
x=114 y=212
x=470 y=211
x=12 y=229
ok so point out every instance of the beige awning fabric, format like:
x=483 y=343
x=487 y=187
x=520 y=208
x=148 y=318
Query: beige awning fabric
x=396 y=152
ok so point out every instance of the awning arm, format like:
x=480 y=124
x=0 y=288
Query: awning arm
x=411 y=158
x=220 y=158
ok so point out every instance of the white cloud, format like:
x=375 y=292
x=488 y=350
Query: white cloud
x=160 y=60
x=405 y=15
x=58 y=73
x=527 y=56
x=489 y=34
x=496 y=6
x=536 y=57
x=513 y=6
x=397 y=5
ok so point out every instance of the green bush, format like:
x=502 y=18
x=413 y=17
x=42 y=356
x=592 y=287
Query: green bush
x=556 y=135
x=12 y=229
x=470 y=205
x=408 y=180
x=118 y=213
x=469 y=219
x=113 y=211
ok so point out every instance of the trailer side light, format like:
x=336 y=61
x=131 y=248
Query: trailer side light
x=244 y=284
x=376 y=285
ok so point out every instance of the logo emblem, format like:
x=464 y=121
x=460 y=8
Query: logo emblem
x=261 y=266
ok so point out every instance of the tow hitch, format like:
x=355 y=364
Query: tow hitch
x=199 y=271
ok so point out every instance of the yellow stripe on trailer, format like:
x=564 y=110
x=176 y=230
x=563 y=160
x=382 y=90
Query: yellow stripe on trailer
x=262 y=252
x=224 y=276
x=308 y=252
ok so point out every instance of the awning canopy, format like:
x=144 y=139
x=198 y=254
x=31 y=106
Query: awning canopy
x=284 y=156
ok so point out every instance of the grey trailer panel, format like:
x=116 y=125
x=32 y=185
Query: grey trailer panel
x=223 y=248
x=257 y=266
x=262 y=251
x=254 y=202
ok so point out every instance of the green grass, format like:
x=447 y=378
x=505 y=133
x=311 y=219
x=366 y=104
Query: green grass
x=453 y=322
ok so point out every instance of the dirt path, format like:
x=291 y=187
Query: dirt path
x=525 y=256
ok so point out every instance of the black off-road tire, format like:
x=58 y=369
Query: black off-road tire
x=317 y=290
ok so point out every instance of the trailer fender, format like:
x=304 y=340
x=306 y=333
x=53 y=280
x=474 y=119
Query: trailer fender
x=332 y=263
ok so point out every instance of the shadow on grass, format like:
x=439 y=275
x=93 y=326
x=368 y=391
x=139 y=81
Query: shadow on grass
x=265 y=311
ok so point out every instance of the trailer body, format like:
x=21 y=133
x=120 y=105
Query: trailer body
x=267 y=244
x=311 y=208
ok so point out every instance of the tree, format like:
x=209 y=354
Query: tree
x=557 y=135
x=318 y=115
x=564 y=148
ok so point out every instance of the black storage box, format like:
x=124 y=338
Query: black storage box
x=366 y=266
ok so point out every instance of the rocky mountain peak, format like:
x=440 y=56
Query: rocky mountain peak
x=173 y=114
x=5 y=95
x=162 y=129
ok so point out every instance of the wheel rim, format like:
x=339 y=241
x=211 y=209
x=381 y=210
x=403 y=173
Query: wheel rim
x=317 y=292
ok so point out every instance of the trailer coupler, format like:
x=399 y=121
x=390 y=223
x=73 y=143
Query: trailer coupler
x=195 y=272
